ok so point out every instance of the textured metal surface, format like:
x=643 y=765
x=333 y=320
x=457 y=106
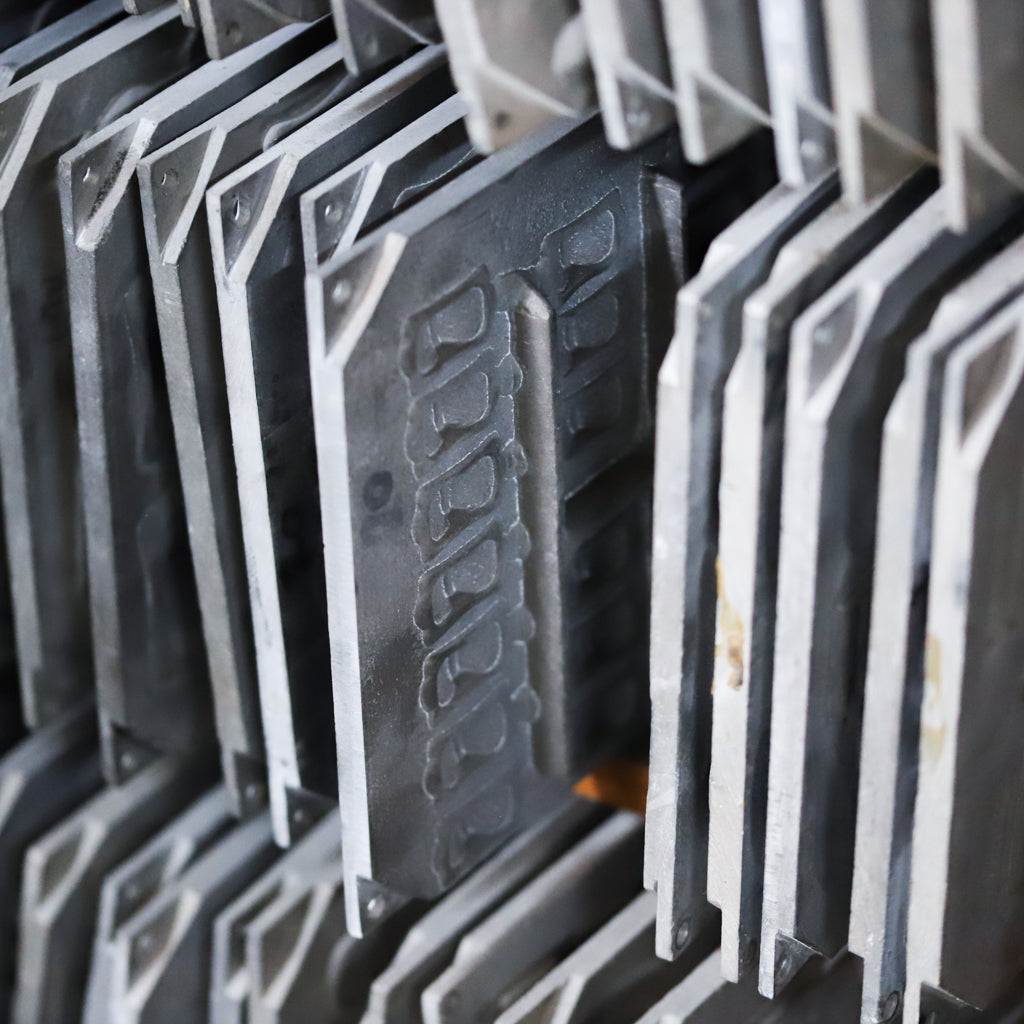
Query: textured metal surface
x=690 y=385
x=137 y=880
x=825 y=994
x=431 y=943
x=980 y=82
x=614 y=976
x=230 y=25
x=550 y=916
x=256 y=235
x=304 y=966
x=846 y=357
x=231 y=981
x=626 y=42
x=151 y=675
x=883 y=90
x=371 y=32
x=896 y=654
x=42 y=116
x=517 y=66
x=21 y=18
x=173 y=182
x=450 y=597
x=753 y=418
x=48 y=43
x=964 y=925
x=718 y=70
x=41 y=780
x=410 y=164
x=796 y=63
x=161 y=955
x=63 y=874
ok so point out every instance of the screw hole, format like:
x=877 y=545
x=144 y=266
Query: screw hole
x=239 y=211
x=341 y=292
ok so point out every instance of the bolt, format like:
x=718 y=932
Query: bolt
x=891 y=1006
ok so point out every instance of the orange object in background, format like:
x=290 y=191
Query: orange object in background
x=621 y=783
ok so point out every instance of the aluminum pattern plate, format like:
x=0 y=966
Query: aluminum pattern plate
x=231 y=25
x=395 y=996
x=231 y=980
x=560 y=267
x=161 y=955
x=883 y=89
x=718 y=69
x=173 y=183
x=63 y=875
x=154 y=690
x=42 y=116
x=136 y=882
x=799 y=91
x=257 y=246
x=753 y=419
x=517 y=66
x=980 y=83
x=41 y=780
x=627 y=48
x=896 y=654
x=555 y=912
x=48 y=43
x=372 y=32
x=687 y=458
x=613 y=976
x=846 y=357
x=967 y=871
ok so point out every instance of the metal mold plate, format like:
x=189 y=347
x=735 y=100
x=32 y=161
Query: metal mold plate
x=372 y=32
x=793 y=33
x=964 y=923
x=626 y=42
x=883 y=88
x=41 y=780
x=395 y=996
x=231 y=25
x=980 y=80
x=134 y=883
x=256 y=234
x=718 y=69
x=42 y=116
x=846 y=358
x=63 y=874
x=173 y=183
x=753 y=418
x=896 y=654
x=397 y=335
x=517 y=66
x=231 y=980
x=22 y=18
x=161 y=955
x=151 y=675
x=613 y=976
x=549 y=917
x=48 y=43
x=687 y=458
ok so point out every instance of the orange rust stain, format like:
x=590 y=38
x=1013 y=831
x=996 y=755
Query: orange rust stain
x=933 y=725
x=730 y=627
x=618 y=782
